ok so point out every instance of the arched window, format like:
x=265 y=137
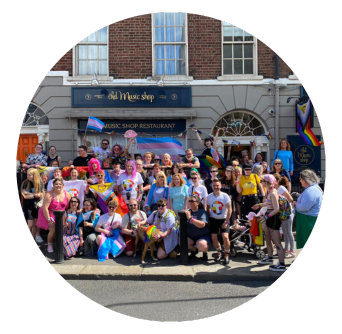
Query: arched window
x=239 y=123
x=35 y=116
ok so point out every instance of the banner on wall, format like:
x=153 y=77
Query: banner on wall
x=305 y=156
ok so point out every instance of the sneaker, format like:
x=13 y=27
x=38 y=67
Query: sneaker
x=219 y=257
x=266 y=260
x=38 y=238
x=50 y=249
x=277 y=267
x=291 y=255
x=205 y=257
x=226 y=260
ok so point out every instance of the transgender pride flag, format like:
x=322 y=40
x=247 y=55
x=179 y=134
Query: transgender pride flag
x=95 y=124
x=159 y=146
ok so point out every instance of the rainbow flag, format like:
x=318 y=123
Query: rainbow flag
x=147 y=233
x=225 y=142
x=199 y=131
x=48 y=170
x=253 y=143
x=191 y=126
x=82 y=171
x=268 y=135
x=307 y=134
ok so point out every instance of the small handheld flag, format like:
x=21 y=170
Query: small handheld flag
x=192 y=125
x=95 y=124
x=235 y=142
x=225 y=142
x=253 y=143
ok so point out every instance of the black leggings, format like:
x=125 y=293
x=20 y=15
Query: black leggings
x=246 y=205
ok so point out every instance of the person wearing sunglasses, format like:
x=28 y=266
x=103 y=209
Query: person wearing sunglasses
x=197 y=189
x=228 y=183
x=219 y=211
x=284 y=153
x=164 y=220
x=197 y=228
x=247 y=185
x=101 y=152
x=71 y=240
x=213 y=174
x=108 y=226
x=279 y=169
x=130 y=224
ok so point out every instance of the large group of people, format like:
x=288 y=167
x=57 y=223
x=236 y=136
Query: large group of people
x=149 y=191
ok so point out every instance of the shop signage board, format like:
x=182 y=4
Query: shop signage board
x=304 y=156
x=146 y=96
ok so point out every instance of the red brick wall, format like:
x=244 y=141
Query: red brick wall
x=130 y=50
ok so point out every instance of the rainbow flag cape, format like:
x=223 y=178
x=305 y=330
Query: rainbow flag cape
x=82 y=171
x=48 y=170
x=105 y=193
x=114 y=244
x=147 y=232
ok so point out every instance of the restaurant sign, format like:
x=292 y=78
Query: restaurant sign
x=148 y=96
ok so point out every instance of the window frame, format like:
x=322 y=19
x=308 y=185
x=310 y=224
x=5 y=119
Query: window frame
x=254 y=44
x=154 y=43
x=76 y=59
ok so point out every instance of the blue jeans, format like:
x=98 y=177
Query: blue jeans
x=288 y=235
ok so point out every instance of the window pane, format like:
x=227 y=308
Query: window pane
x=180 y=19
x=180 y=67
x=237 y=50
x=227 y=51
x=248 y=36
x=82 y=52
x=248 y=51
x=160 y=67
x=92 y=67
x=238 y=34
x=92 y=52
x=180 y=34
x=227 y=34
x=169 y=19
x=103 y=35
x=102 y=51
x=103 y=67
x=238 y=67
x=249 y=66
x=180 y=51
x=92 y=37
x=170 y=67
x=159 y=34
x=160 y=52
x=82 y=68
x=170 y=52
x=227 y=67
x=159 y=19
x=170 y=34
x=226 y=24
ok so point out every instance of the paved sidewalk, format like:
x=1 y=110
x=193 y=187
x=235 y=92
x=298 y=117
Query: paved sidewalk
x=241 y=267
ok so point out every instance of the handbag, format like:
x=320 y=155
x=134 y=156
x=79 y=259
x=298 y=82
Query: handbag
x=38 y=204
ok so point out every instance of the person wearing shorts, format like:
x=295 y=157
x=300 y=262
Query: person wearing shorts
x=197 y=228
x=129 y=224
x=219 y=210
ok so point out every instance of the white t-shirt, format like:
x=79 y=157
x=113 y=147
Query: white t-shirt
x=100 y=154
x=218 y=205
x=281 y=190
x=129 y=184
x=200 y=190
x=138 y=217
x=107 y=221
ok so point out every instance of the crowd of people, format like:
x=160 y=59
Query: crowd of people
x=152 y=190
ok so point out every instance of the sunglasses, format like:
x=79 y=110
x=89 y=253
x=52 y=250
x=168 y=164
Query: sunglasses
x=105 y=144
x=192 y=201
x=234 y=165
x=193 y=178
x=247 y=169
x=73 y=202
x=277 y=163
x=213 y=171
x=161 y=205
x=111 y=207
x=132 y=205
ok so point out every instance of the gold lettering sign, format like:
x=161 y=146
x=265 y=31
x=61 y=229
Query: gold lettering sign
x=126 y=96
x=304 y=155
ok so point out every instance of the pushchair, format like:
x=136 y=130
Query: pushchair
x=243 y=240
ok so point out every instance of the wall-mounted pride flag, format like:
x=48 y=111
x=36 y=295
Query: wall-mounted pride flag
x=159 y=146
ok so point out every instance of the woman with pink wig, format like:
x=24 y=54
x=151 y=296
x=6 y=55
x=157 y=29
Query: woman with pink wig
x=129 y=182
x=93 y=167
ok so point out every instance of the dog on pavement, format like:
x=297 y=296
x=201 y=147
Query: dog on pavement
x=146 y=234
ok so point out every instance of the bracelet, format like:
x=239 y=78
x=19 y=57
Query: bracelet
x=260 y=205
x=190 y=164
x=268 y=216
x=161 y=236
x=191 y=220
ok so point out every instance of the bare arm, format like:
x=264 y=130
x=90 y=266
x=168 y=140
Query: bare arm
x=199 y=138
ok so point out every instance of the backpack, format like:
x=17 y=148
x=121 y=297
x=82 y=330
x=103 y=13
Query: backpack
x=174 y=214
x=284 y=208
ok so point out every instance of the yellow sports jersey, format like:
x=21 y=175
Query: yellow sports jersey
x=249 y=184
